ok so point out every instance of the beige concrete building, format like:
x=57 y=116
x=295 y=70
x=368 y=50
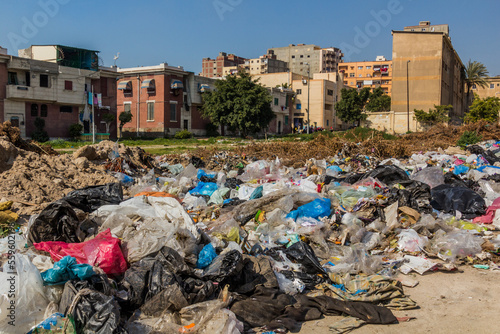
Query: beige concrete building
x=267 y=63
x=371 y=74
x=320 y=60
x=492 y=88
x=425 y=26
x=428 y=61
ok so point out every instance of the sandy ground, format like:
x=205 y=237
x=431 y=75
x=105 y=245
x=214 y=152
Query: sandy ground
x=456 y=302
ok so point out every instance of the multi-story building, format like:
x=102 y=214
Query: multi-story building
x=433 y=69
x=214 y=68
x=4 y=59
x=57 y=93
x=302 y=58
x=282 y=100
x=166 y=98
x=425 y=26
x=267 y=63
x=492 y=88
x=371 y=74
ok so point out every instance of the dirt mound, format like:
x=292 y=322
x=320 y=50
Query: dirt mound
x=13 y=135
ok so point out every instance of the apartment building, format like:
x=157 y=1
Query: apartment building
x=214 y=68
x=57 y=93
x=492 y=88
x=371 y=74
x=302 y=58
x=267 y=63
x=163 y=100
x=433 y=69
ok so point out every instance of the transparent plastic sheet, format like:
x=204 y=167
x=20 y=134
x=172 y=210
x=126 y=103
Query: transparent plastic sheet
x=19 y=243
x=255 y=171
x=291 y=287
x=458 y=243
x=410 y=241
x=191 y=202
x=357 y=260
x=217 y=196
x=29 y=296
x=433 y=176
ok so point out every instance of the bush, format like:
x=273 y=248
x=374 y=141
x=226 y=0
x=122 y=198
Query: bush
x=75 y=130
x=468 y=138
x=40 y=135
x=483 y=109
x=184 y=134
x=434 y=116
x=212 y=130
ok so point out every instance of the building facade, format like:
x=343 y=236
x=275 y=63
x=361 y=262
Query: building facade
x=282 y=100
x=214 y=68
x=433 y=69
x=267 y=63
x=425 y=26
x=492 y=88
x=371 y=74
x=56 y=93
x=301 y=58
x=163 y=100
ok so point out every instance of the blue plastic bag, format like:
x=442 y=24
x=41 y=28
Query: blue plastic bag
x=66 y=269
x=335 y=168
x=460 y=169
x=318 y=208
x=204 y=188
x=202 y=173
x=257 y=193
x=207 y=255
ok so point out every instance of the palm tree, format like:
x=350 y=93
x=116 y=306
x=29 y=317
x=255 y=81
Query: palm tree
x=475 y=75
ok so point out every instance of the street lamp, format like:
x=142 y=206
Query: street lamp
x=308 y=94
x=408 y=96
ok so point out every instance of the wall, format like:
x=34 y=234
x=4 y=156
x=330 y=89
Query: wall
x=56 y=123
x=391 y=122
x=487 y=91
x=3 y=87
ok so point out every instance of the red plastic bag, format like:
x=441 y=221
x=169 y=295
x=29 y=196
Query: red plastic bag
x=103 y=251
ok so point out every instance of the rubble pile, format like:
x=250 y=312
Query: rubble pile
x=227 y=243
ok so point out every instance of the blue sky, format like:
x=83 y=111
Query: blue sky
x=183 y=32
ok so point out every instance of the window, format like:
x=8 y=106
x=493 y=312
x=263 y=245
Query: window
x=360 y=76
x=301 y=56
x=351 y=75
x=327 y=122
x=173 y=111
x=44 y=80
x=104 y=86
x=27 y=76
x=276 y=101
x=34 y=110
x=126 y=107
x=368 y=67
x=330 y=92
x=68 y=109
x=286 y=120
x=293 y=57
x=151 y=111
x=308 y=56
x=360 y=67
x=186 y=124
x=492 y=85
x=299 y=91
x=12 y=78
x=68 y=85
x=299 y=106
x=43 y=110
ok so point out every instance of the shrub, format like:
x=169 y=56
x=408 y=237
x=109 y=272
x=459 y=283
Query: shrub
x=184 y=134
x=468 y=138
x=483 y=109
x=40 y=135
x=75 y=130
x=434 y=116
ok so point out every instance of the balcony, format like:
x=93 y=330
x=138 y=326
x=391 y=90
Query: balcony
x=15 y=92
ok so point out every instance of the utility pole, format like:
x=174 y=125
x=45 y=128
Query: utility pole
x=408 y=96
x=308 y=95
x=138 y=104
x=93 y=117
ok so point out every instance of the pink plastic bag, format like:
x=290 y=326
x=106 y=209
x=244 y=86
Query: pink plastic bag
x=490 y=213
x=103 y=251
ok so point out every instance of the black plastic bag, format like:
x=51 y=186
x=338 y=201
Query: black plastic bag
x=302 y=253
x=224 y=266
x=232 y=183
x=57 y=222
x=388 y=174
x=197 y=162
x=92 y=198
x=347 y=178
x=490 y=156
x=416 y=195
x=94 y=311
x=257 y=270
x=450 y=199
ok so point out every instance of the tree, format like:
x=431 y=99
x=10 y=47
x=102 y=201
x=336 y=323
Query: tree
x=108 y=118
x=434 y=116
x=350 y=108
x=239 y=102
x=40 y=135
x=75 y=131
x=379 y=101
x=483 y=109
x=124 y=118
x=475 y=74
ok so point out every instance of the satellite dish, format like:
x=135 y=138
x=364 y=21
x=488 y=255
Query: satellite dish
x=116 y=57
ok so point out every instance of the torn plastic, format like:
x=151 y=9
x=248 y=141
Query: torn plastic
x=433 y=176
x=66 y=269
x=410 y=241
x=456 y=244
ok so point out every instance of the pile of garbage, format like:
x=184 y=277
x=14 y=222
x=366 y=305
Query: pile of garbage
x=252 y=246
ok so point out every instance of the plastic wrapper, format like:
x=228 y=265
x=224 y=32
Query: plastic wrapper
x=410 y=241
x=433 y=176
x=456 y=244
x=28 y=297
x=103 y=251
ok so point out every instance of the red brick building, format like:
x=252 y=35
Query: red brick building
x=214 y=68
x=167 y=98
